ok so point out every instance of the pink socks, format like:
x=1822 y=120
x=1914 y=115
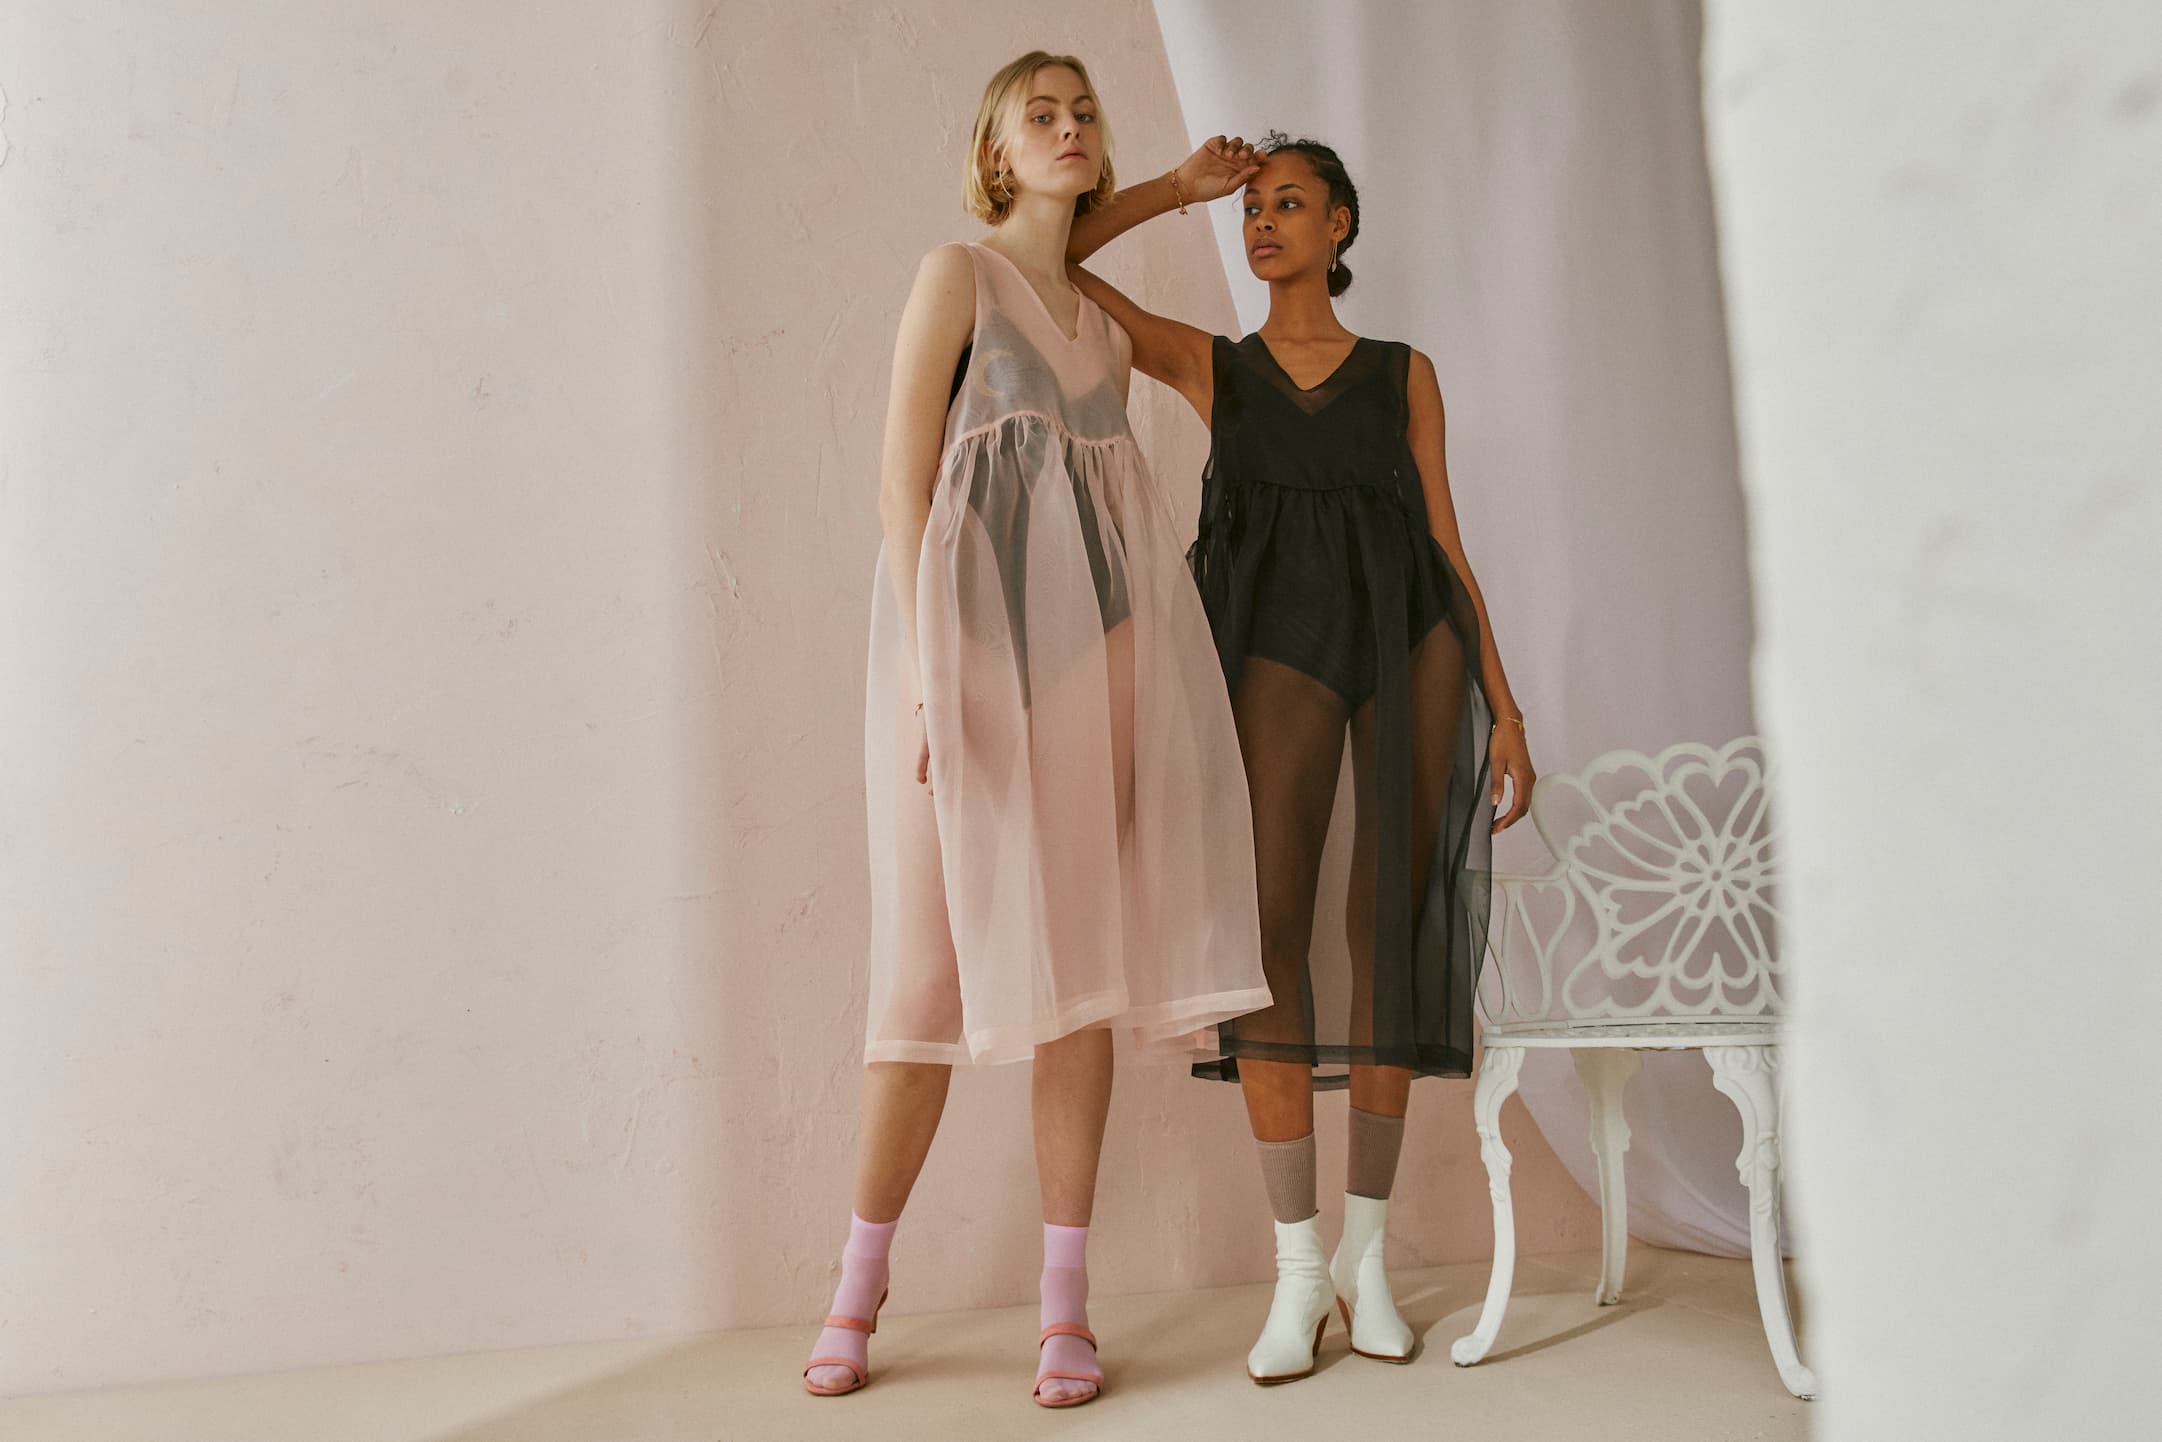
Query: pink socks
x=840 y=1359
x=1067 y=1370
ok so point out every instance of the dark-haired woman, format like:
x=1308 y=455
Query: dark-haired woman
x=1342 y=606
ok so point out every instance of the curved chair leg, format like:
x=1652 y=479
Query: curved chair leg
x=1497 y=1079
x=1749 y=1075
x=1605 y=1072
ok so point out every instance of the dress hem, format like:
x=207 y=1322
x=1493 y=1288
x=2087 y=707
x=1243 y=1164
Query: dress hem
x=1159 y=1026
x=1331 y=1073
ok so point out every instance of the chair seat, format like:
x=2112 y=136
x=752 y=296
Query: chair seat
x=1667 y=1034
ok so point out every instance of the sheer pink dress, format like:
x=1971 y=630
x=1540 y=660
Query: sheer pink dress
x=1084 y=855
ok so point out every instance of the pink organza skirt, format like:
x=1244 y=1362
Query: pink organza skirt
x=1084 y=853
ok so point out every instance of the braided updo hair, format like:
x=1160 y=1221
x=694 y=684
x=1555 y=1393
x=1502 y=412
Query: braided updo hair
x=1330 y=167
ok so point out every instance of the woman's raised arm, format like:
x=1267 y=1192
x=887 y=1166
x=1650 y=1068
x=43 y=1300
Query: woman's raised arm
x=1167 y=350
x=1219 y=168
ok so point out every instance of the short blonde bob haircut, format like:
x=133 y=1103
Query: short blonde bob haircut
x=982 y=194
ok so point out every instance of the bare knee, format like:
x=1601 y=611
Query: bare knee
x=1284 y=942
x=931 y=1016
x=1381 y=1090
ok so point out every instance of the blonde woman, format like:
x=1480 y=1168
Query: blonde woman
x=1060 y=845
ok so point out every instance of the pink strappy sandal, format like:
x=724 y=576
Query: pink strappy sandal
x=1067 y=1329
x=861 y=1374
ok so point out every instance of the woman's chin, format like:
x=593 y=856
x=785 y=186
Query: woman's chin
x=1068 y=190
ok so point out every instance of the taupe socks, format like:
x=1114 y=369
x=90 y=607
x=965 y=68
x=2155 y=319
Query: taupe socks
x=1376 y=1141
x=1287 y=1168
x=1287 y=1173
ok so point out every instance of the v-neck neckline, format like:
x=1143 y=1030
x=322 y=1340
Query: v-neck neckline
x=1080 y=300
x=1356 y=342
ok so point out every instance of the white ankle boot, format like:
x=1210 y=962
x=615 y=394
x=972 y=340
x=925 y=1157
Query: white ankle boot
x=1362 y=1283
x=1299 y=1312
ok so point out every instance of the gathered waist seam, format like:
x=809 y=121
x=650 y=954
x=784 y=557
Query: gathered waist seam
x=1052 y=421
x=1387 y=486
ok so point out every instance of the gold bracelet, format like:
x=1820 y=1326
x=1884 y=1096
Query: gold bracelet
x=1178 y=192
x=1517 y=719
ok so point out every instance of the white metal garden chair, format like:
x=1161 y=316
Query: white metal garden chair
x=1655 y=931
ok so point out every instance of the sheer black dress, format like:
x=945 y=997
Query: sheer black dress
x=1336 y=615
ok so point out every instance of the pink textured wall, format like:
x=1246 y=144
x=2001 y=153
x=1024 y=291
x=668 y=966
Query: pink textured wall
x=437 y=465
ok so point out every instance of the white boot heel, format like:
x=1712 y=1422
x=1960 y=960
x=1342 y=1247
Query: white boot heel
x=1299 y=1312
x=1362 y=1283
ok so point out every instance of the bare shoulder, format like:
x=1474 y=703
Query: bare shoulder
x=946 y=262
x=1421 y=383
x=941 y=309
x=946 y=271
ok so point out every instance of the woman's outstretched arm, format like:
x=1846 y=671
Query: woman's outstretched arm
x=1219 y=168
x=1511 y=754
x=1166 y=350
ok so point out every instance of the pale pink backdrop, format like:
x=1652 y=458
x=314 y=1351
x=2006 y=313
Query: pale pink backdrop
x=436 y=517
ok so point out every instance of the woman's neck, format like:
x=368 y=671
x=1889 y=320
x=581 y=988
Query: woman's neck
x=1034 y=236
x=1300 y=312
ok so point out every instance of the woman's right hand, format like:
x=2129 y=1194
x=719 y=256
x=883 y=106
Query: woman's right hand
x=1219 y=168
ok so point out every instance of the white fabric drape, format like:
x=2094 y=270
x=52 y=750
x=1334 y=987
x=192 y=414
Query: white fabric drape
x=1535 y=216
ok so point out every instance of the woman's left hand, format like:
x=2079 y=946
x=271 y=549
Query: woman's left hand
x=1218 y=168
x=1509 y=757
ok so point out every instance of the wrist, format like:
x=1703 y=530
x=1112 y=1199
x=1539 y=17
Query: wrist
x=1180 y=191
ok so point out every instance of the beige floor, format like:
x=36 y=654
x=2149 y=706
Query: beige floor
x=1681 y=1359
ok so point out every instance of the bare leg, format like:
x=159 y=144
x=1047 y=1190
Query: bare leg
x=1437 y=698
x=1070 y=1098
x=1383 y=1090
x=902 y=1104
x=1359 y=1270
x=1291 y=737
x=1279 y=1099
x=1380 y=1013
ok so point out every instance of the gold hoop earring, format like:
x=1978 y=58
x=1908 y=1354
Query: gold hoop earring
x=1332 y=255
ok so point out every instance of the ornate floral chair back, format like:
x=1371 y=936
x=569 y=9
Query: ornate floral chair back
x=1662 y=905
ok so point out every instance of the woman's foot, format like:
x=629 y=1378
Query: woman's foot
x=1067 y=1373
x=1299 y=1312
x=1362 y=1283
x=840 y=1359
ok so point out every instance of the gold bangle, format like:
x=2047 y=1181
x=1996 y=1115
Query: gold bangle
x=1178 y=192
x=1517 y=719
